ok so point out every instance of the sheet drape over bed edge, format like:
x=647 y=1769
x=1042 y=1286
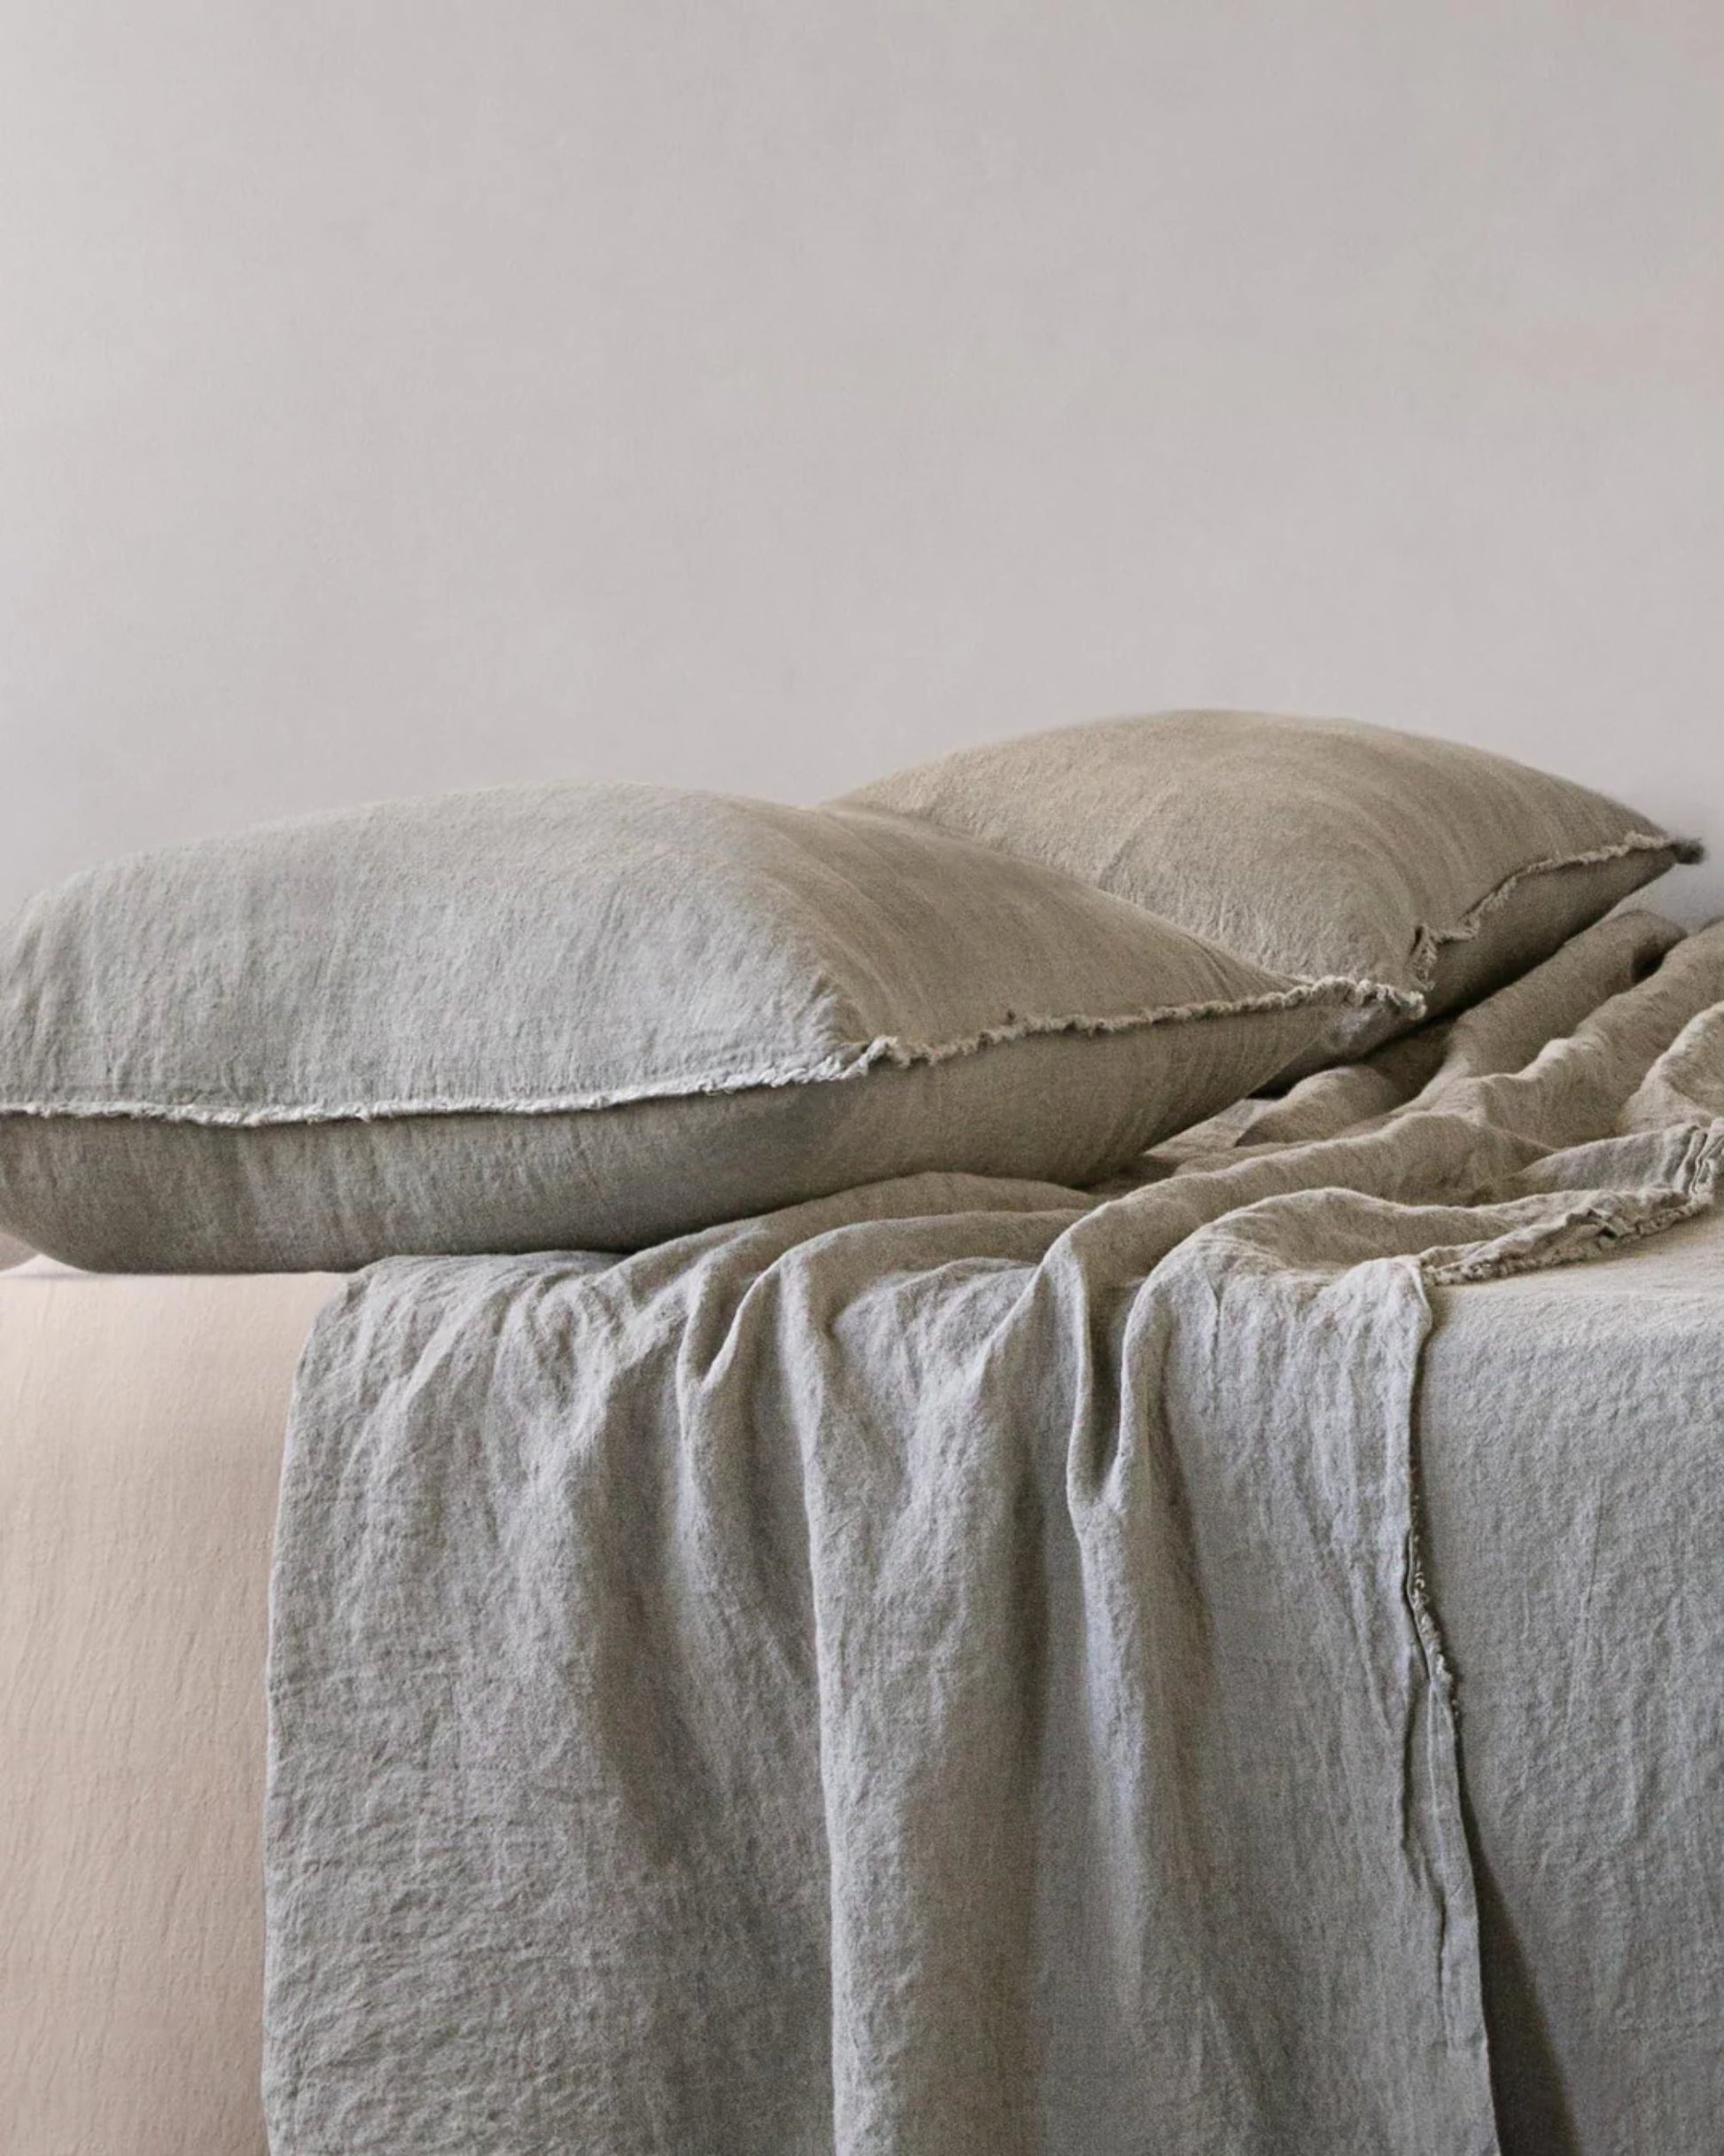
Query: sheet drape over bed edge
x=943 y=1668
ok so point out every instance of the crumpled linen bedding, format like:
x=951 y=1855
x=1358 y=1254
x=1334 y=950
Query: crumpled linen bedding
x=952 y=1666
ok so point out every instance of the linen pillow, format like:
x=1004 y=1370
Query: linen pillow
x=581 y=1016
x=1312 y=847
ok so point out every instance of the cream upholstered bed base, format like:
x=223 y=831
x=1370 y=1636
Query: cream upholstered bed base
x=141 y=1425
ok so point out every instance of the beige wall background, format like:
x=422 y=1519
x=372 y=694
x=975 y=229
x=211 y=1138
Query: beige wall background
x=397 y=394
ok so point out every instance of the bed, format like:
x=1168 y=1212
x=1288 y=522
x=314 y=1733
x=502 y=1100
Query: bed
x=141 y=1447
x=927 y=1476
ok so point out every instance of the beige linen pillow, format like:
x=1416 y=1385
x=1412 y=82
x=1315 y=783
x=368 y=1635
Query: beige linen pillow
x=582 y=1016
x=1314 y=847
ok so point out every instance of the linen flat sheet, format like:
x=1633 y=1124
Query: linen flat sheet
x=956 y=1666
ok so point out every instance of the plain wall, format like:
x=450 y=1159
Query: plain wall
x=397 y=394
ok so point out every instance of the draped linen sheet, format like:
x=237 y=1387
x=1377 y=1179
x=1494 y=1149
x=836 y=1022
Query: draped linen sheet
x=947 y=1668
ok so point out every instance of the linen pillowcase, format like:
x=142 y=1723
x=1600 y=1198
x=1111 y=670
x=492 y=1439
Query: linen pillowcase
x=1312 y=847
x=589 y=1016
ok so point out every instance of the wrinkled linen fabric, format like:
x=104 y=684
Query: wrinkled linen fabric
x=946 y=1668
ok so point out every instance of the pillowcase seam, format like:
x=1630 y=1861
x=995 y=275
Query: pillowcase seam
x=853 y=1060
x=1428 y=943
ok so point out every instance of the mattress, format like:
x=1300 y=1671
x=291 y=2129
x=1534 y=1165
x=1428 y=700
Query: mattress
x=140 y=1431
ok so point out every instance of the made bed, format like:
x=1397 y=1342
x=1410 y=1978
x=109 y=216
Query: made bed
x=142 y=1444
x=1220 y=1655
